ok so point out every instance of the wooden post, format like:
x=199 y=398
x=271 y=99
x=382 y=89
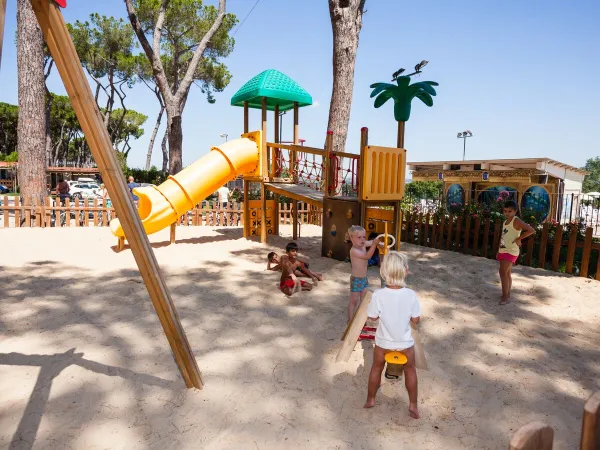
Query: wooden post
x=294 y=173
x=573 y=230
x=120 y=244
x=275 y=168
x=543 y=245
x=398 y=222
x=246 y=119
x=557 y=245
x=590 y=430
x=172 y=233
x=327 y=162
x=246 y=214
x=476 y=236
x=486 y=238
x=265 y=172
x=529 y=251
x=533 y=436
x=69 y=66
x=587 y=250
x=2 y=16
x=265 y=155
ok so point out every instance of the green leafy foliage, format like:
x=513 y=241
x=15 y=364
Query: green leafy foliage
x=9 y=115
x=429 y=190
x=591 y=182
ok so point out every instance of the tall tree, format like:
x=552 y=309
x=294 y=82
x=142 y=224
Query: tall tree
x=31 y=128
x=186 y=36
x=105 y=46
x=346 y=22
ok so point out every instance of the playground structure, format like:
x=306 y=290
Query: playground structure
x=351 y=189
x=376 y=176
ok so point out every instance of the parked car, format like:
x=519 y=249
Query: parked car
x=87 y=190
x=4 y=189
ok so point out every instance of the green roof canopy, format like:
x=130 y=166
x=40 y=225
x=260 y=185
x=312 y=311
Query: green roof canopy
x=278 y=88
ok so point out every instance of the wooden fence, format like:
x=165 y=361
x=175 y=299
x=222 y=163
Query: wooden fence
x=15 y=212
x=567 y=248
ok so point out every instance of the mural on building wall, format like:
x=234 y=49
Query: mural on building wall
x=455 y=197
x=491 y=195
x=536 y=200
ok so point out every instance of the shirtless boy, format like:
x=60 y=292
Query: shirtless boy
x=274 y=264
x=289 y=265
x=359 y=258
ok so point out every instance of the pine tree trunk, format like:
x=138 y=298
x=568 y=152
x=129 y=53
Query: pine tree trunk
x=153 y=137
x=346 y=22
x=175 y=133
x=31 y=128
x=165 y=152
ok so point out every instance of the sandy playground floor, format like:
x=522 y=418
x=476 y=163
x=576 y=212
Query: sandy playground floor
x=84 y=363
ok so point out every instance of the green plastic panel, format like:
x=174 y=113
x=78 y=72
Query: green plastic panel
x=278 y=88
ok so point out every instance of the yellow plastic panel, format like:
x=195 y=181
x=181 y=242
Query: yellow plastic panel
x=384 y=173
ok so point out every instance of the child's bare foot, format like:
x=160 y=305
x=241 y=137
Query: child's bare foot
x=504 y=301
x=319 y=276
x=414 y=412
x=370 y=403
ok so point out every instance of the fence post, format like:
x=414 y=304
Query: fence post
x=590 y=430
x=449 y=231
x=529 y=251
x=573 y=232
x=543 y=245
x=441 y=228
x=486 y=238
x=467 y=234
x=587 y=250
x=457 y=239
x=557 y=246
x=17 y=212
x=476 y=236
x=496 y=243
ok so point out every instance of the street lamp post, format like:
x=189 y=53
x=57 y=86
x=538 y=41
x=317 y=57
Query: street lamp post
x=225 y=136
x=464 y=135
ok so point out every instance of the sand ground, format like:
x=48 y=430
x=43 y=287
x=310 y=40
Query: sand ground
x=84 y=363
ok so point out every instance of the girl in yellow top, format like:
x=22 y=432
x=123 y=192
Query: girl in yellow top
x=510 y=243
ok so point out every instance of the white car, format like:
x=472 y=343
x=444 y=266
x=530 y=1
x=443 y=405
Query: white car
x=85 y=190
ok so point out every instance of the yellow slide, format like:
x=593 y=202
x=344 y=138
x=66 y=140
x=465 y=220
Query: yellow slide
x=160 y=206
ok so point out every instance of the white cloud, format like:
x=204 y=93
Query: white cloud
x=315 y=104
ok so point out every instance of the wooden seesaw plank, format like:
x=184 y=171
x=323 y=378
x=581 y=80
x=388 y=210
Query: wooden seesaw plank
x=533 y=436
x=76 y=84
x=354 y=328
x=590 y=432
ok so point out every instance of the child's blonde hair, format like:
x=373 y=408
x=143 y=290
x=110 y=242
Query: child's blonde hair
x=352 y=231
x=393 y=269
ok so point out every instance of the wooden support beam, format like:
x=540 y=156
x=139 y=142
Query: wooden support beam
x=69 y=66
x=246 y=214
x=120 y=244
x=327 y=162
x=2 y=16
x=265 y=173
x=364 y=141
x=263 y=219
x=293 y=173
x=275 y=168
x=172 y=233
x=246 y=118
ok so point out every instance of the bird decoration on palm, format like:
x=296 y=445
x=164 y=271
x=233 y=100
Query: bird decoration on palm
x=403 y=93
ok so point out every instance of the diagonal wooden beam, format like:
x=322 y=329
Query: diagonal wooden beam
x=2 y=16
x=69 y=66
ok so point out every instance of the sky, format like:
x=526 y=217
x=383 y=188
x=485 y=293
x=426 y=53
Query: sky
x=521 y=75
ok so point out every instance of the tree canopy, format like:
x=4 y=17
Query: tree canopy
x=183 y=41
x=591 y=183
x=68 y=143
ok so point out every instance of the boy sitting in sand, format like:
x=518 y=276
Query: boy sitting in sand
x=396 y=307
x=359 y=257
x=274 y=263
x=289 y=265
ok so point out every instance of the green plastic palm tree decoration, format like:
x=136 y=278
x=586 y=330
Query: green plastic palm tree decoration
x=403 y=94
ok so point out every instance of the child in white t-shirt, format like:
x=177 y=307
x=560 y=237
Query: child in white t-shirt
x=396 y=307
